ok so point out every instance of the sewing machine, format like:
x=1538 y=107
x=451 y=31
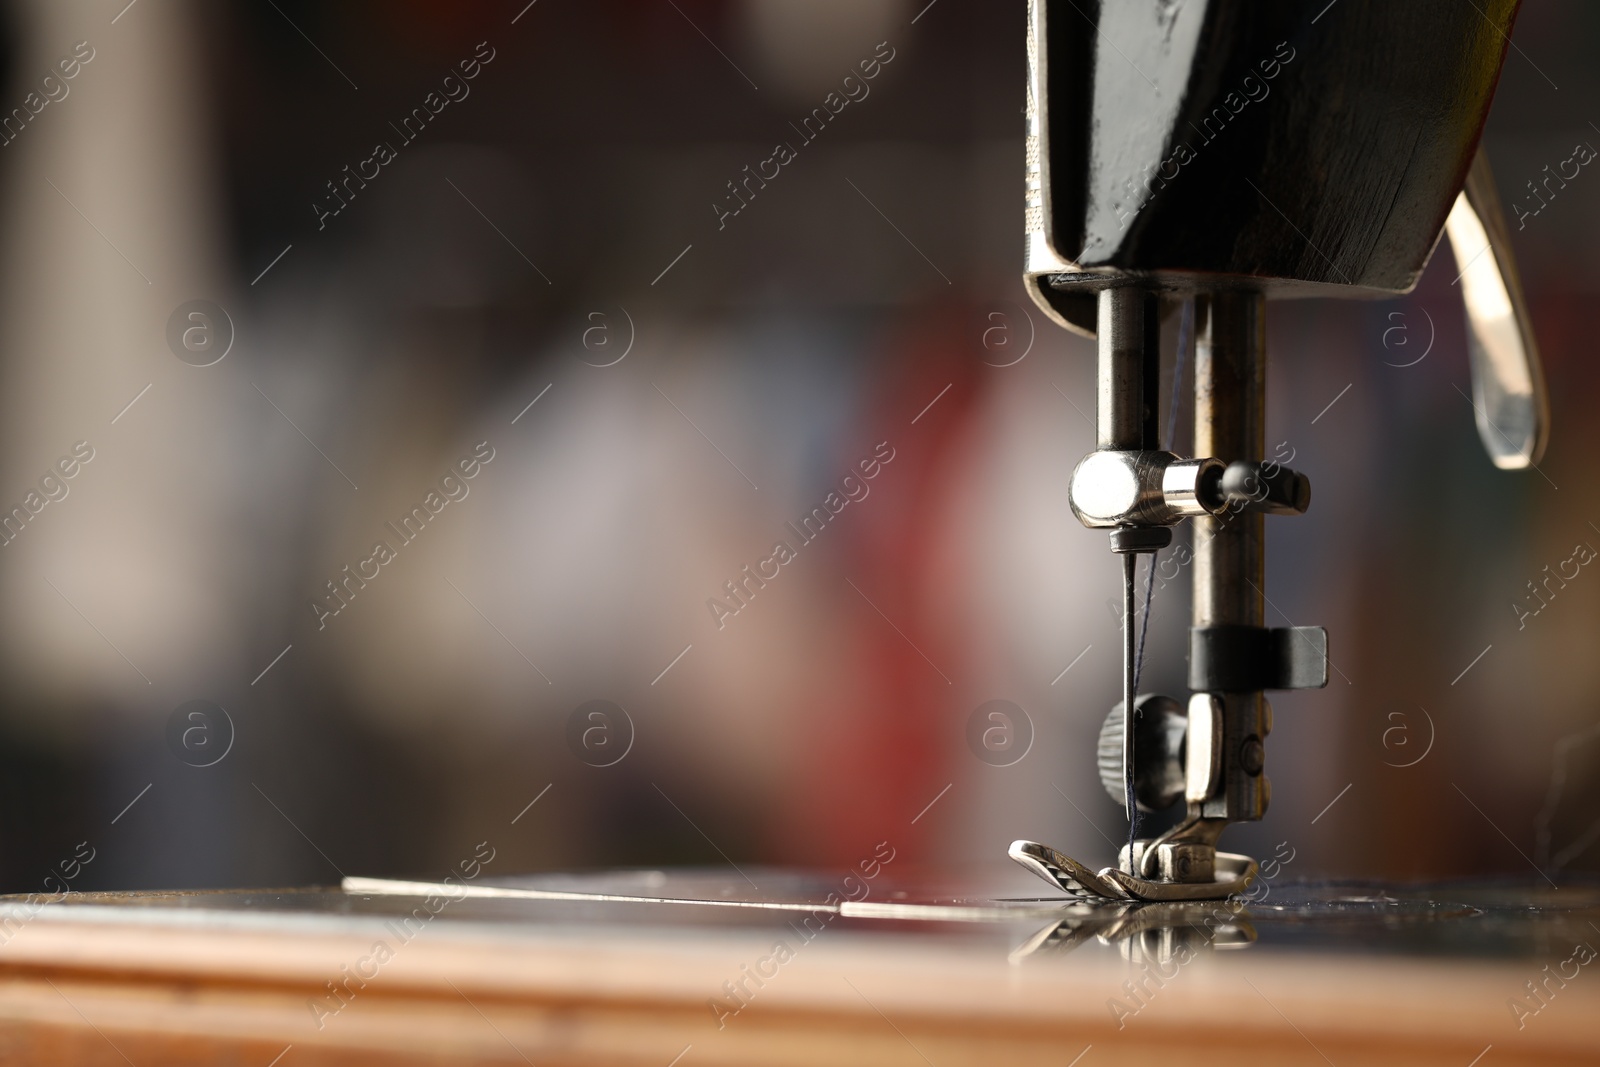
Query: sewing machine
x=1239 y=153
x=1193 y=159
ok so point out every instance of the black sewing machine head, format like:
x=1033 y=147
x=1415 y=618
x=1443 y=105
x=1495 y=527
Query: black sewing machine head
x=1223 y=152
x=1298 y=148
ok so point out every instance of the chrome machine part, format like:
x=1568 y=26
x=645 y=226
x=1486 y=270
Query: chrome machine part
x=1144 y=488
x=1064 y=872
x=1127 y=370
x=1212 y=756
x=1508 y=391
x=1233 y=874
x=1202 y=747
x=1229 y=551
x=1137 y=491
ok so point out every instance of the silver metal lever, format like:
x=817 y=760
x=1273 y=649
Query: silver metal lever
x=1508 y=392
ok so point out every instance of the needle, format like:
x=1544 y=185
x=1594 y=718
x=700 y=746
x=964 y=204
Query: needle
x=1129 y=665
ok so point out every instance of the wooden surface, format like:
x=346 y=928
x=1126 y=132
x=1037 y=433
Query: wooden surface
x=115 y=988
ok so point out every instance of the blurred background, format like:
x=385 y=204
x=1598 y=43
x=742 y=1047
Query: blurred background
x=563 y=263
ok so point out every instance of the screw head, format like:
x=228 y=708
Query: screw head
x=1252 y=755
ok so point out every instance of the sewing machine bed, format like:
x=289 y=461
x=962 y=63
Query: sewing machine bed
x=702 y=967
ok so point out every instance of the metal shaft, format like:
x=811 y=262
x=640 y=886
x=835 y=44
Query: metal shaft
x=1128 y=370
x=1229 y=556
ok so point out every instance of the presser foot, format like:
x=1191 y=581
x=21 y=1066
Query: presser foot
x=1232 y=874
